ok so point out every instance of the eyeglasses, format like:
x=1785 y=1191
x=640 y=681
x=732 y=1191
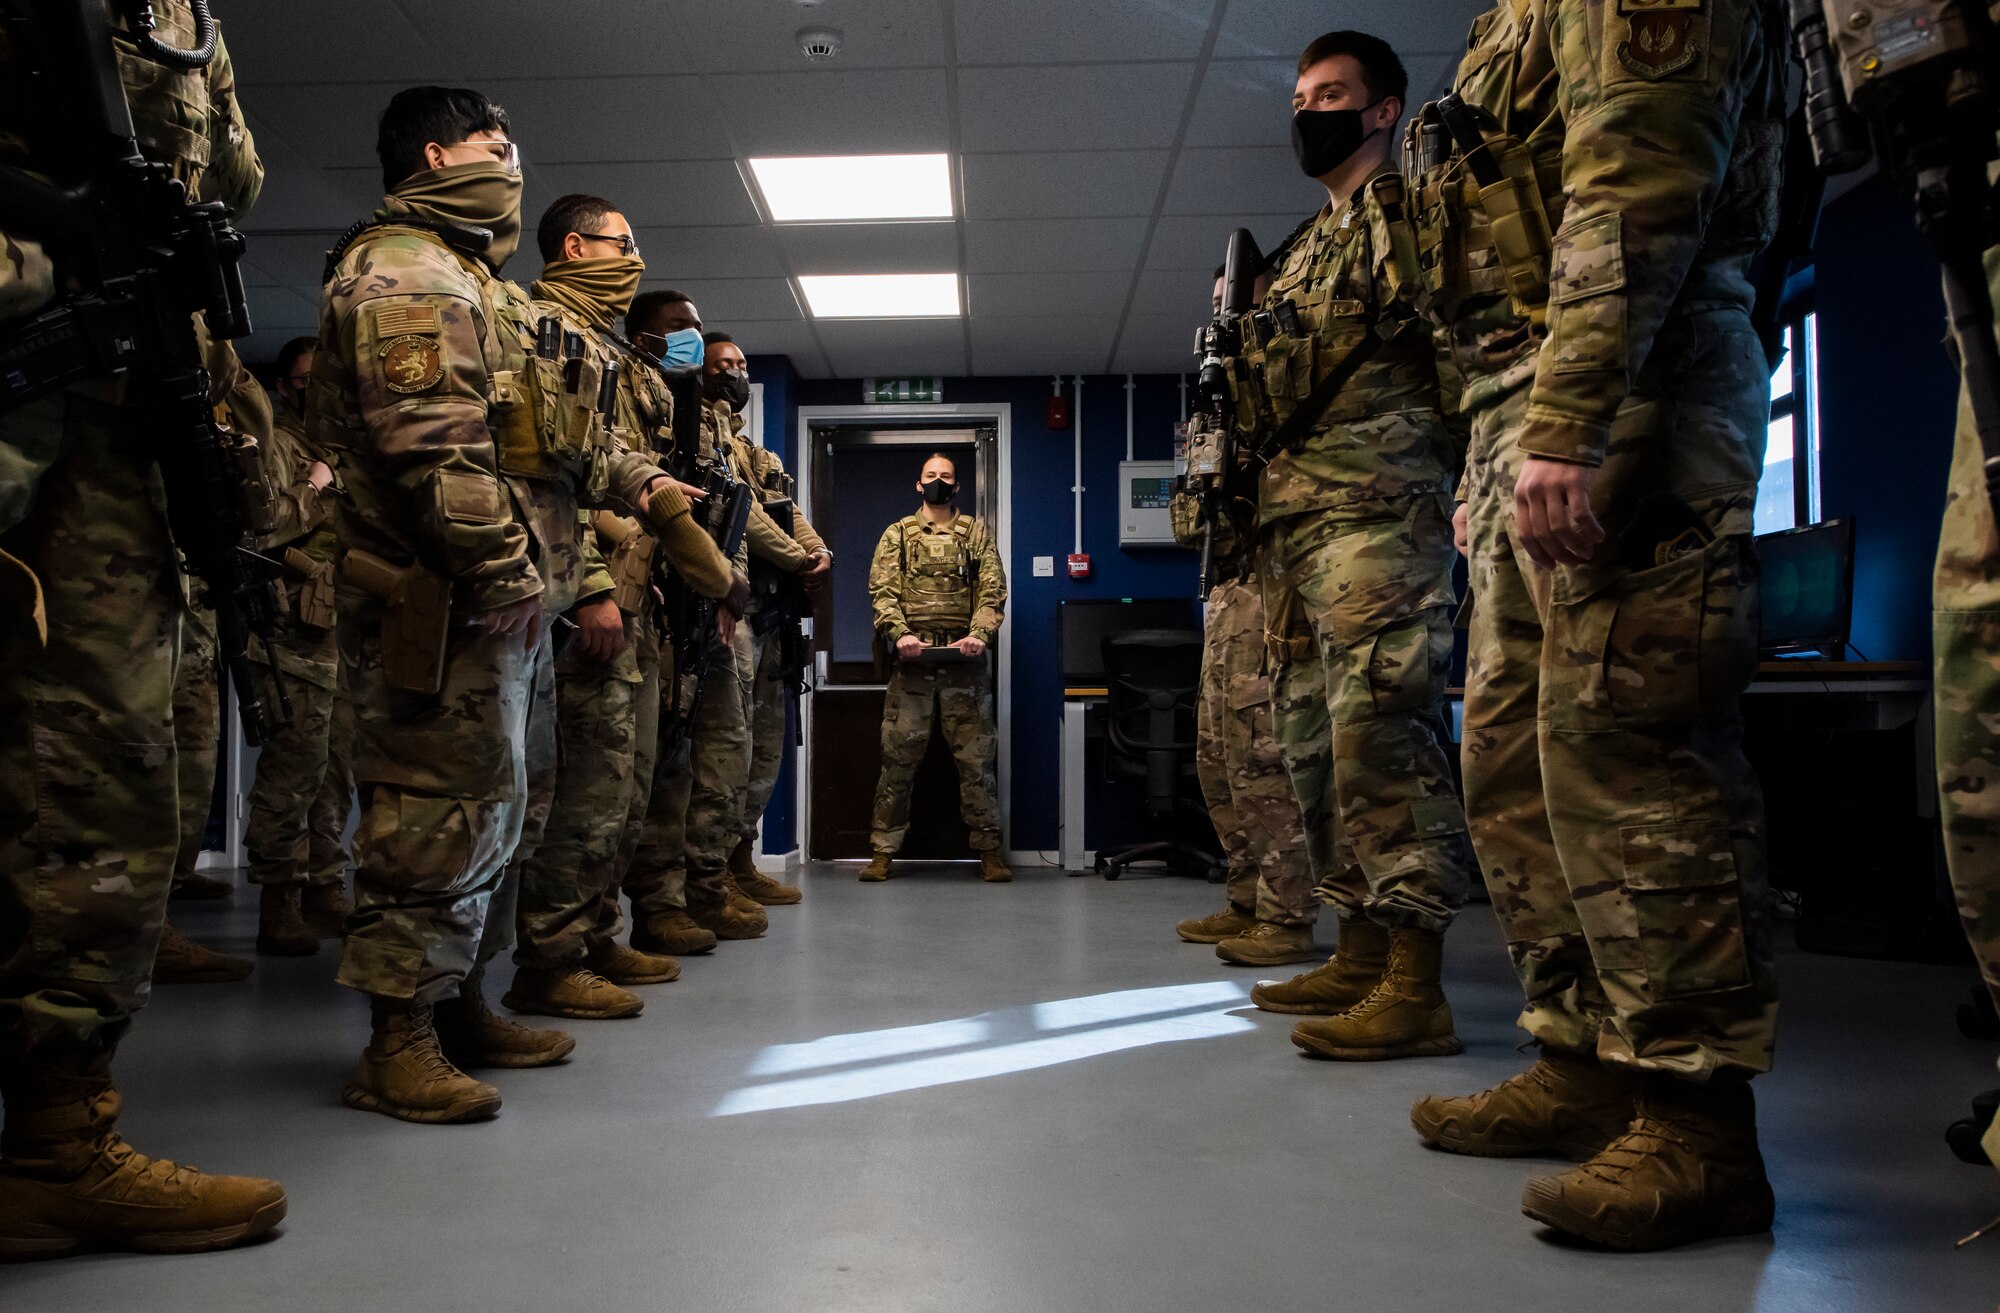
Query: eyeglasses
x=299 y=381
x=627 y=245
x=508 y=153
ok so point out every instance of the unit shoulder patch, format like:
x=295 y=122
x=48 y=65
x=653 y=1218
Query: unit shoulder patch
x=1663 y=38
x=411 y=363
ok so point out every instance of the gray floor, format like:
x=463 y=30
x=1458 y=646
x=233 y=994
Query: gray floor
x=938 y=1095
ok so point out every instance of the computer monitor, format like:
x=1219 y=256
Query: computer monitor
x=1808 y=590
x=1085 y=623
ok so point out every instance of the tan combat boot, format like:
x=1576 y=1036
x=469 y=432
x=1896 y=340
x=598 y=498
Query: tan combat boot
x=1350 y=975
x=1230 y=922
x=196 y=887
x=717 y=913
x=281 y=931
x=759 y=887
x=878 y=868
x=1404 y=1016
x=181 y=961
x=671 y=932
x=69 y=1183
x=570 y=991
x=1268 y=944
x=473 y=1035
x=326 y=908
x=404 y=1074
x=628 y=966
x=1567 y=1103
x=993 y=868
x=1686 y=1168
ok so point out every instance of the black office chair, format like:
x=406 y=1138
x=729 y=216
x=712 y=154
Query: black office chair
x=1154 y=677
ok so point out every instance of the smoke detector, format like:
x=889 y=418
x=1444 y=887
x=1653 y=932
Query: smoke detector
x=819 y=44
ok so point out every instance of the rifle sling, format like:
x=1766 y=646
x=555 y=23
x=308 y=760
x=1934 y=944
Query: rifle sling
x=1300 y=422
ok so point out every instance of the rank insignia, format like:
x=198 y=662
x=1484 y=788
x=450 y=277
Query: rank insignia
x=411 y=364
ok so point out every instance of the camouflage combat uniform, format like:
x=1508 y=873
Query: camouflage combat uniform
x=1242 y=773
x=1966 y=632
x=606 y=717
x=767 y=680
x=88 y=788
x=1617 y=821
x=696 y=807
x=1356 y=560
x=460 y=451
x=304 y=783
x=940 y=583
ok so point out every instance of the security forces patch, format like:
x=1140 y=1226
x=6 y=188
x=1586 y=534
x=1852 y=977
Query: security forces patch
x=411 y=364
x=1662 y=37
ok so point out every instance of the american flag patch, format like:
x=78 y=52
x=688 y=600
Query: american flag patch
x=400 y=320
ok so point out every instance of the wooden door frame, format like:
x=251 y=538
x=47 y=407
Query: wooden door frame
x=1000 y=414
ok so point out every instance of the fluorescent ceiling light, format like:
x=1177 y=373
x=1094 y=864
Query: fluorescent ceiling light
x=836 y=188
x=881 y=296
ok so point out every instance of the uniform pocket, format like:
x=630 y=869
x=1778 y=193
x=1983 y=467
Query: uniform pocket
x=1687 y=907
x=1682 y=639
x=1586 y=321
x=1405 y=668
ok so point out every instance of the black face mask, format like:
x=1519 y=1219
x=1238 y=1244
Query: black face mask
x=940 y=491
x=1325 y=139
x=731 y=385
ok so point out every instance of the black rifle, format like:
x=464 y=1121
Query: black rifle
x=143 y=258
x=724 y=514
x=1220 y=342
x=1917 y=91
x=782 y=609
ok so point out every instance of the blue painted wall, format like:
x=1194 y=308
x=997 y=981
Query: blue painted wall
x=1041 y=476
x=1888 y=397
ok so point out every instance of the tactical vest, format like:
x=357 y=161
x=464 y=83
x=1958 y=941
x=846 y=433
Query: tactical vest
x=170 y=105
x=545 y=416
x=940 y=573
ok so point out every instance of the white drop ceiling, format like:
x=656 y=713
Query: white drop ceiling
x=1102 y=149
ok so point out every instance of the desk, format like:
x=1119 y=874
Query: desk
x=1889 y=694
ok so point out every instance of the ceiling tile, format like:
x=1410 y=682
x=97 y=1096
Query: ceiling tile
x=285 y=45
x=1283 y=28
x=1015 y=32
x=1004 y=296
x=1253 y=180
x=835 y=113
x=575 y=120
x=274 y=308
x=722 y=301
x=768 y=337
x=1248 y=102
x=733 y=37
x=700 y=192
x=863 y=348
x=863 y=248
x=1065 y=344
x=1052 y=245
x=1156 y=345
x=1199 y=243
x=1182 y=295
x=328 y=124
x=1086 y=107
x=319 y=200
x=734 y=252
x=296 y=260
x=1063 y=185
x=529 y=38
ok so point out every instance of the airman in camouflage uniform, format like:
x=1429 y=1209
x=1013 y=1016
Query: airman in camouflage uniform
x=460 y=444
x=766 y=693
x=87 y=768
x=1596 y=299
x=1356 y=558
x=565 y=945
x=937 y=581
x=1966 y=634
x=1243 y=778
x=304 y=785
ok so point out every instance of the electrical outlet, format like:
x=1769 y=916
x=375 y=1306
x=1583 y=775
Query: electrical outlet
x=1045 y=567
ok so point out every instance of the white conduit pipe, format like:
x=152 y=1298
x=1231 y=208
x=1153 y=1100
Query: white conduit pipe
x=1130 y=388
x=1076 y=488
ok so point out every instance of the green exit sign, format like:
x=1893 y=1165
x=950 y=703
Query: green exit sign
x=901 y=391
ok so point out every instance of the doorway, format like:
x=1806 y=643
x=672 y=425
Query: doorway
x=858 y=475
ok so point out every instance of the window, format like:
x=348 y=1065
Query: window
x=1788 y=495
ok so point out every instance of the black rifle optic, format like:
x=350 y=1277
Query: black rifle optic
x=725 y=515
x=1911 y=84
x=143 y=258
x=1219 y=344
